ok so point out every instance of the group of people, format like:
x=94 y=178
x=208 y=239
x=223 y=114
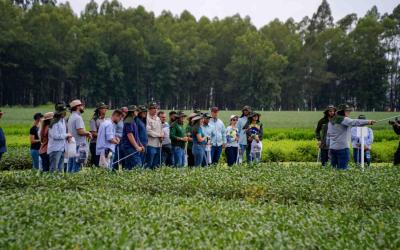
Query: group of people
x=336 y=130
x=140 y=136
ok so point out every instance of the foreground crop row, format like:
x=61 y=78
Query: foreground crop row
x=271 y=206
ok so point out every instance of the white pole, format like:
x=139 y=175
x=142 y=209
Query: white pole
x=362 y=149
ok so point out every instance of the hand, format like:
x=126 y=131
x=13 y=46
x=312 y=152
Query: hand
x=371 y=122
x=89 y=135
x=117 y=140
x=162 y=135
x=257 y=140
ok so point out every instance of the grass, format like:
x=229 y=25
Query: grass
x=271 y=206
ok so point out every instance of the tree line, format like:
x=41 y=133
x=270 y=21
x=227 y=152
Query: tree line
x=128 y=55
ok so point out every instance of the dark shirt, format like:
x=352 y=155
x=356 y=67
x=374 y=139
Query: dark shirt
x=2 y=142
x=35 y=132
x=130 y=128
x=141 y=126
x=396 y=128
x=321 y=131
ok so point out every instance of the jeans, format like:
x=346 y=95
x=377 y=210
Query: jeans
x=167 y=155
x=199 y=153
x=255 y=157
x=357 y=156
x=133 y=160
x=45 y=162
x=244 y=148
x=231 y=154
x=215 y=154
x=396 y=156
x=152 y=157
x=94 y=160
x=340 y=158
x=35 y=158
x=324 y=156
x=56 y=161
x=179 y=156
x=73 y=166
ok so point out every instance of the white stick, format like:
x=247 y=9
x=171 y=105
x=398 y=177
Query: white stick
x=387 y=118
x=319 y=155
x=126 y=157
x=362 y=150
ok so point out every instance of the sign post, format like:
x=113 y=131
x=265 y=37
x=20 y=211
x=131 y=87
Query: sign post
x=361 y=132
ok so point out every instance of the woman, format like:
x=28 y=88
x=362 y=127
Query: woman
x=97 y=119
x=254 y=133
x=57 y=139
x=199 y=141
x=232 y=138
x=44 y=140
x=35 y=141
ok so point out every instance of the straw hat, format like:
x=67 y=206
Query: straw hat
x=196 y=118
x=75 y=103
x=48 y=116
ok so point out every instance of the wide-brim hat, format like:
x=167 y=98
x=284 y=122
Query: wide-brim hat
x=197 y=117
x=192 y=115
x=60 y=108
x=180 y=114
x=48 y=116
x=246 y=108
x=206 y=116
x=344 y=107
x=75 y=103
x=132 y=108
x=101 y=105
x=254 y=114
x=142 y=108
x=233 y=116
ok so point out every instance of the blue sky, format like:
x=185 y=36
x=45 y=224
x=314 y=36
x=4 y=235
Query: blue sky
x=260 y=11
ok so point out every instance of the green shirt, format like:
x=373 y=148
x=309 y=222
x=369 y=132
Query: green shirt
x=177 y=131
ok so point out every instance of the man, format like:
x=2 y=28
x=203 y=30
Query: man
x=172 y=116
x=119 y=130
x=167 y=153
x=178 y=139
x=76 y=127
x=140 y=120
x=207 y=130
x=246 y=110
x=339 y=133
x=396 y=128
x=218 y=136
x=188 y=130
x=320 y=133
x=3 y=147
x=130 y=142
x=107 y=139
x=155 y=136
x=97 y=119
x=356 y=143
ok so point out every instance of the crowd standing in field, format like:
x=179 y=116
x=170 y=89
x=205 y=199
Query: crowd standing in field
x=141 y=137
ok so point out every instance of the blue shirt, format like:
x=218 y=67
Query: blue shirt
x=130 y=128
x=105 y=134
x=57 y=137
x=218 y=136
x=368 y=138
x=242 y=133
x=119 y=129
x=141 y=126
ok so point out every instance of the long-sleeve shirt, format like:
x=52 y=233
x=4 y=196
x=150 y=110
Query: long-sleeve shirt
x=119 y=129
x=339 y=131
x=177 y=131
x=218 y=136
x=141 y=128
x=105 y=134
x=154 y=130
x=242 y=133
x=356 y=140
x=166 y=129
x=207 y=130
x=57 y=137
x=321 y=131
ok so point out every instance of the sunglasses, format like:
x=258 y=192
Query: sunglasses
x=234 y=119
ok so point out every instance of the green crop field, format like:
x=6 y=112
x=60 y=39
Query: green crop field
x=271 y=206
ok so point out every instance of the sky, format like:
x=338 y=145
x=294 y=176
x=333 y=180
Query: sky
x=260 y=11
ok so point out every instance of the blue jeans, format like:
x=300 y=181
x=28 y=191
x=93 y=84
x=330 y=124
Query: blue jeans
x=56 y=161
x=199 y=153
x=340 y=158
x=73 y=166
x=215 y=154
x=134 y=160
x=357 y=156
x=244 y=148
x=168 y=155
x=35 y=158
x=179 y=156
x=231 y=154
x=152 y=157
